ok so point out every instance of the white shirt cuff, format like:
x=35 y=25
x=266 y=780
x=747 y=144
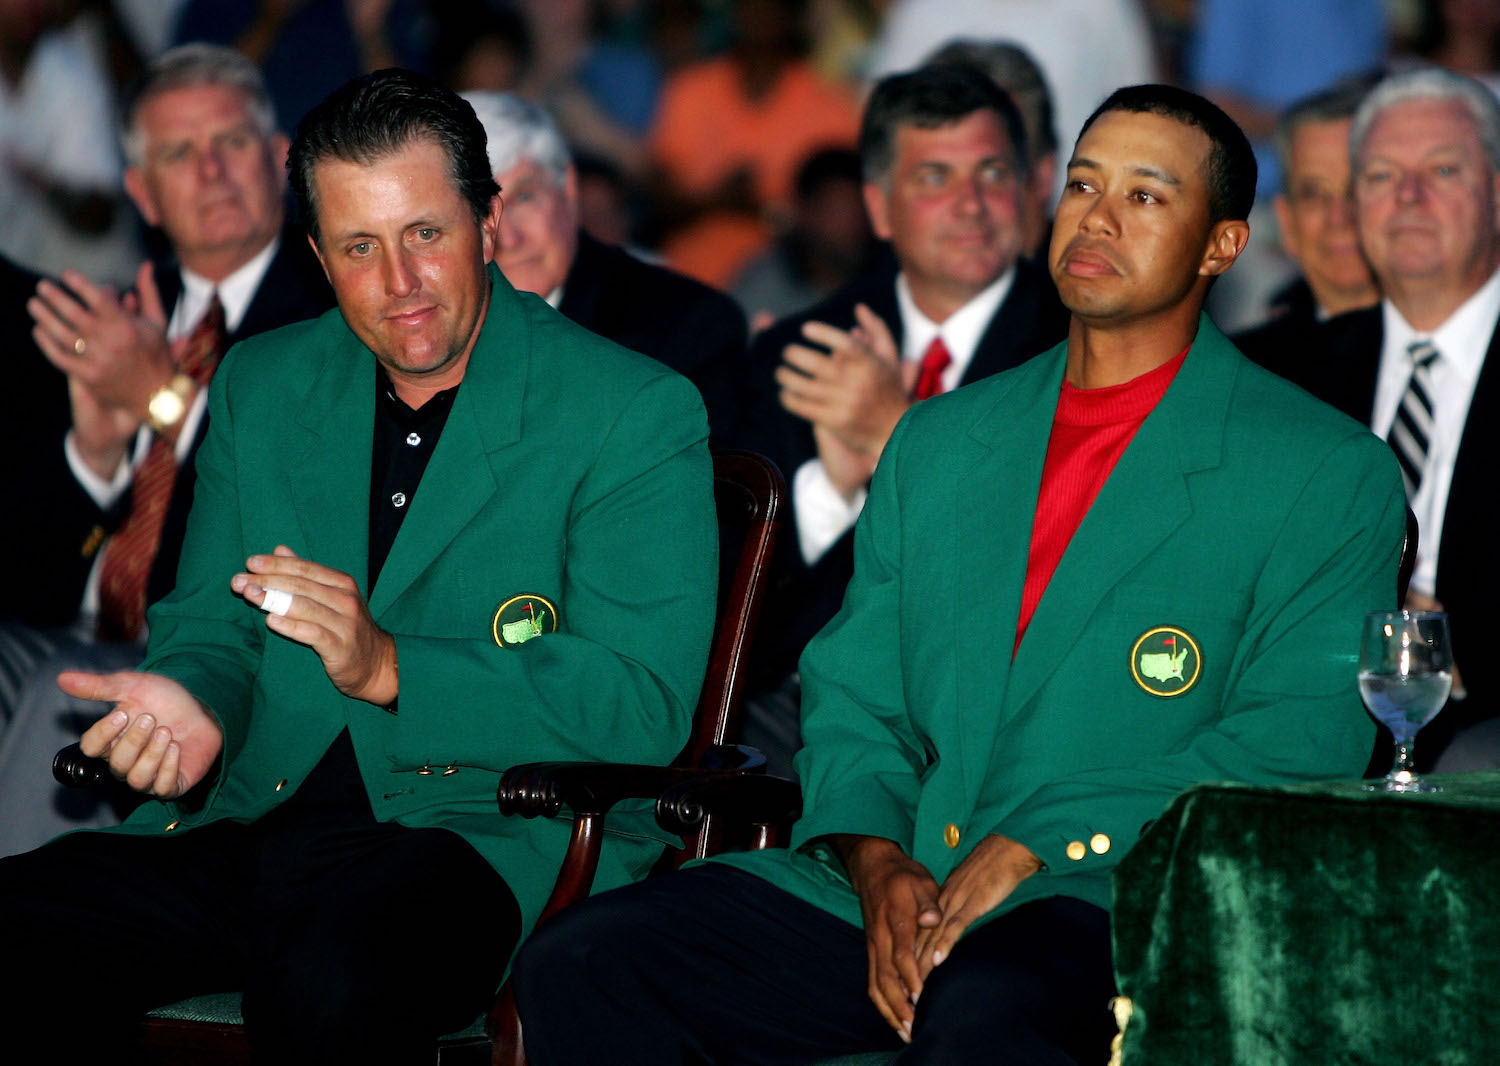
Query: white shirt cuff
x=823 y=515
x=103 y=492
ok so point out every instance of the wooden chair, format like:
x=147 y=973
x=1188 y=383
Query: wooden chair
x=749 y=495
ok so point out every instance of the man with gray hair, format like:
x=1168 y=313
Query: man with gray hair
x=1423 y=369
x=697 y=331
x=1315 y=216
x=205 y=164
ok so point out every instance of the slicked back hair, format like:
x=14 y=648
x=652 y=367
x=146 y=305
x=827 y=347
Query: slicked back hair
x=1432 y=83
x=1013 y=69
x=517 y=131
x=930 y=98
x=190 y=66
x=1231 y=161
x=380 y=114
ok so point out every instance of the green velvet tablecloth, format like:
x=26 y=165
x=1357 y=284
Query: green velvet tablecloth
x=1314 y=926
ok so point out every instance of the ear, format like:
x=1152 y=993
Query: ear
x=140 y=195
x=1290 y=241
x=877 y=206
x=1226 y=240
x=321 y=261
x=489 y=228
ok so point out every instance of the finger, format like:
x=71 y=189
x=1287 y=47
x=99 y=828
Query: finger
x=102 y=687
x=149 y=296
x=143 y=772
x=947 y=937
x=95 y=297
x=885 y=1004
x=63 y=305
x=836 y=340
x=98 y=738
x=876 y=334
x=128 y=745
x=809 y=361
x=167 y=783
x=284 y=552
x=284 y=563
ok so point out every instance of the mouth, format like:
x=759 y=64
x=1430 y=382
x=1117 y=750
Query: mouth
x=1087 y=263
x=413 y=318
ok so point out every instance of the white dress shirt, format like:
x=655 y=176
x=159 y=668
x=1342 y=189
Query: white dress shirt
x=822 y=513
x=1461 y=341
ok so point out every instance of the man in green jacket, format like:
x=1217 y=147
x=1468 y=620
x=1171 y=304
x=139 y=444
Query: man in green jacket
x=1134 y=563
x=477 y=535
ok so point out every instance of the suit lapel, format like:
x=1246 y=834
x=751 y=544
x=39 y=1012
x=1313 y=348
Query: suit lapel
x=581 y=290
x=1008 y=445
x=486 y=417
x=1142 y=502
x=330 y=477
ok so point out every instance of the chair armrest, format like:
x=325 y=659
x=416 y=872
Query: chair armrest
x=736 y=796
x=544 y=788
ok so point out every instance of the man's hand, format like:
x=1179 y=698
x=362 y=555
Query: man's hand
x=857 y=392
x=979 y=884
x=899 y=899
x=158 y=739
x=329 y=615
x=102 y=435
x=114 y=347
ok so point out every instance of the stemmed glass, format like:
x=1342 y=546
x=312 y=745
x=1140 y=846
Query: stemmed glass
x=1405 y=672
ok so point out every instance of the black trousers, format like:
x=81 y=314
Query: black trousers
x=351 y=940
x=714 y=965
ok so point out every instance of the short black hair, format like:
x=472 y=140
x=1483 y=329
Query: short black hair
x=928 y=98
x=1231 y=161
x=379 y=114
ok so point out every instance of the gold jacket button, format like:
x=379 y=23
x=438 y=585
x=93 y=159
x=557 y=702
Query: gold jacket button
x=426 y=771
x=1098 y=843
x=173 y=824
x=281 y=784
x=951 y=835
x=450 y=770
x=1076 y=850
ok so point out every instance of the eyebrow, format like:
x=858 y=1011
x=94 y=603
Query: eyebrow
x=1163 y=176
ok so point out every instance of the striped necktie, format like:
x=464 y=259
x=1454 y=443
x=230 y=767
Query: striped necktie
x=1411 y=432
x=132 y=549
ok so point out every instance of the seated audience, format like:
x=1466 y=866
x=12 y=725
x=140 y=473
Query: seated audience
x=1132 y=564
x=470 y=525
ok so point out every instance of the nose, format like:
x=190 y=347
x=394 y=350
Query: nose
x=211 y=162
x=400 y=278
x=969 y=200
x=1099 y=218
x=1409 y=189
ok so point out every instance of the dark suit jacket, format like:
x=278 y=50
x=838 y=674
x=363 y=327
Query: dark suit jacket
x=1291 y=337
x=58 y=540
x=802 y=598
x=1466 y=585
x=694 y=329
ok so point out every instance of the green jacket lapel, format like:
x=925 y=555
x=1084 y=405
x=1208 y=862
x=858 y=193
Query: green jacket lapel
x=486 y=417
x=330 y=483
x=1144 y=500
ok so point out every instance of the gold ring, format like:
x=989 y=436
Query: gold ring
x=79 y=346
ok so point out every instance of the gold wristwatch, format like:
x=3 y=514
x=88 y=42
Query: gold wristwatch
x=170 y=402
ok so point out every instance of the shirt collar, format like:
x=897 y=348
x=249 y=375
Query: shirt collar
x=235 y=292
x=961 y=331
x=1463 y=338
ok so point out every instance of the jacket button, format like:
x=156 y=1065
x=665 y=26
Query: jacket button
x=951 y=835
x=281 y=784
x=173 y=824
x=1098 y=843
x=426 y=771
x=450 y=770
x=1076 y=850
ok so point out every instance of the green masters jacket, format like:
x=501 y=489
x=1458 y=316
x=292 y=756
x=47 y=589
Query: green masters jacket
x=1202 y=625
x=572 y=480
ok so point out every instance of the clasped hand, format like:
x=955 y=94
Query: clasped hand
x=329 y=615
x=912 y=923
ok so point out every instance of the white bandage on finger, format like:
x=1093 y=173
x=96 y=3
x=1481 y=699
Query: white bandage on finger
x=277 y=601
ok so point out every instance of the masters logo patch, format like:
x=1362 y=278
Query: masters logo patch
x=522 y=617
x=1165 y=661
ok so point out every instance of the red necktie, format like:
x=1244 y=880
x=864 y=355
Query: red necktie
x=132 y=549
x=930 y=377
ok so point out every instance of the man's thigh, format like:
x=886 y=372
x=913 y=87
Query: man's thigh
x=105 y=926
x=1030 y=988
x=376 y=933
x=708 y=965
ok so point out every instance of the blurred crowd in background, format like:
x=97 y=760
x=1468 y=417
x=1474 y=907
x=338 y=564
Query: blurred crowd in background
x=715 y=136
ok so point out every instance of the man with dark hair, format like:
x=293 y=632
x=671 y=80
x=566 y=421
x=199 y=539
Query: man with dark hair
x=107 y=444
x=1315 y=215
x=1128 y=566
x=444 y=477
x=944 y=156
